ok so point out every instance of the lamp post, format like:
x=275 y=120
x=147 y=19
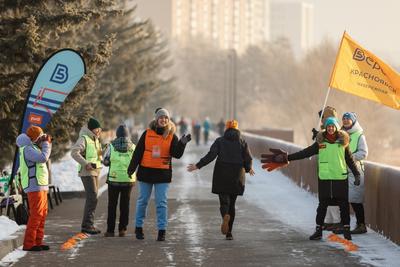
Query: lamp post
x=232 y=84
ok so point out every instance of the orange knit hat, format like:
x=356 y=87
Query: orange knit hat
x=232 y=124
x=34 y=132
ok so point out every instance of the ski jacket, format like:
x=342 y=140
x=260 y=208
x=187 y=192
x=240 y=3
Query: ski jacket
x=233 y=160
x=152 y=173
x=330 y=188
x=33 y=164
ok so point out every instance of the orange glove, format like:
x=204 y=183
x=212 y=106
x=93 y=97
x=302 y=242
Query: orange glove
x=270 y=166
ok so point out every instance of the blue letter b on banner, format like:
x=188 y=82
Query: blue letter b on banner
x=60 y=74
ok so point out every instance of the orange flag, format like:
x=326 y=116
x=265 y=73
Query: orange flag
x=359 y=72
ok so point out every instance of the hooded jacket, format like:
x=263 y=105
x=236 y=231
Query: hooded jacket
x=153 y=175
x=330 y=189
x=32 y=156
x=356 y=193
x=79 y=148
x=233 y=160
x=121 y=144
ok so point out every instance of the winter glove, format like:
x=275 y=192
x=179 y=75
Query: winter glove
x=186 y=138
x=278 y=156
x=130 y=172
x=273 y=165
x=357 y=180
x=314 y=133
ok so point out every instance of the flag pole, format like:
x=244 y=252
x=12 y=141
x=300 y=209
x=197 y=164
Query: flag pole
x=323 y=107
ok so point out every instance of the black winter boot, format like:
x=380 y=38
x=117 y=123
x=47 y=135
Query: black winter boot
x=317 y=235
x=161 y=235
x=346 y=232
x=139 y=233
x=360 y=229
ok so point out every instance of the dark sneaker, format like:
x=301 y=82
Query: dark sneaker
x=360 y=229
x=109 y=234
x=346 y=232
x=122 y=233
x=229 y=236
x=44 y=247
x=317 y=235
x=225 y=224
x=161 y=235
x=34 y=248
x=139 y=233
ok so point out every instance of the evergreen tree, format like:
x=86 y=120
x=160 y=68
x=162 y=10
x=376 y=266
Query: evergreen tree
x=31 y=31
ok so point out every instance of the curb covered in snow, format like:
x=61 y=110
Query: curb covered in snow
x=13 y=242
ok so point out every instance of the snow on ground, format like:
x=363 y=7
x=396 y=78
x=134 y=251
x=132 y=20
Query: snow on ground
x=8 y=227
x=281 y=198
x=13 y=257
x=65 y=174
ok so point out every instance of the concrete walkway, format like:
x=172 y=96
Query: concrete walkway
x=193 y=236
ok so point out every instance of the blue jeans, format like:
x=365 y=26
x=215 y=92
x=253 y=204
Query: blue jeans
x=161 y=192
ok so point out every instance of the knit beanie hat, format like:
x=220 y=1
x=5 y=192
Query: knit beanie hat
x=232 y=124
x=93 y=124
x=332 y=121
x=350 y=115
x=161 y=112
x=33 y=132
x=122 y=131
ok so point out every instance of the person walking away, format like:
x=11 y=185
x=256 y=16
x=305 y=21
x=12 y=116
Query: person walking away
x=206 y=129
x=332 y=147
x=233 y=160
x=183 y=126
x=88 y=153
x=117 y=157
x=221 y=127
x=34 y=152
x=359 y=148
x=196 y=131
x=152 y=157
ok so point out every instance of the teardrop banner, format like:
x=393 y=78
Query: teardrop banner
x=55 y=79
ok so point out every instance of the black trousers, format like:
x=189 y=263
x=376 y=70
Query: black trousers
x=343 y=206
x=227 y=206
x=125 y=194
x=359 y=211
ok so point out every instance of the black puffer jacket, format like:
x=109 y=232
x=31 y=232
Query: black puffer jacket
x=233 y=160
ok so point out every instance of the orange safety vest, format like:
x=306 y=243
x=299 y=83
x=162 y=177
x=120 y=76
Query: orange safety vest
x=156 y=151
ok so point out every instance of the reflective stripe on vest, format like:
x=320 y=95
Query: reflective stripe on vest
x=156 y=151
x=92 y=151
x=119 y=162
x=354 y=139
x=331 y=162
x=41 y=173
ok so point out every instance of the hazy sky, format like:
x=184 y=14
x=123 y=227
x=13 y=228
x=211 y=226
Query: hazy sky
x=374 y=24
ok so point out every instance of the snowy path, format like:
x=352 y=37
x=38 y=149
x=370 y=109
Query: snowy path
x=273 y=222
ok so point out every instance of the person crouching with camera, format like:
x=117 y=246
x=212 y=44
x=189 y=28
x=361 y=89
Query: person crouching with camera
x=87 y=152
x=34 y=152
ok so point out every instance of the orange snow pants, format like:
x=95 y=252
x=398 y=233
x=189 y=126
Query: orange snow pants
x=37 y=216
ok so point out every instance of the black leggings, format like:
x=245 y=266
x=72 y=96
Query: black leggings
x=359 y=211
x=227 y=206
x=343 y=206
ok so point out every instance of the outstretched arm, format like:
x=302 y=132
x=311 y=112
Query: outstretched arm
x=305 y=153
